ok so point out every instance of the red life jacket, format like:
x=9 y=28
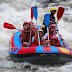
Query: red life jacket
x=56 y=45
x=50 y=34
x=36 y=43
x=27 y=36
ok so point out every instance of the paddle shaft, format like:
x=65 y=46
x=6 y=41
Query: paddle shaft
x=30 y=33
x=48 y=34
x=56 y=28
x=38 y=34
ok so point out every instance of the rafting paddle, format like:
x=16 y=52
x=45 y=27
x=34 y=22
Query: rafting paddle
x=9 y=26
x=59 y=15
x=35 y=13
x=60 y=12
x=31 y=13
x=31 y=23
x=47 y=22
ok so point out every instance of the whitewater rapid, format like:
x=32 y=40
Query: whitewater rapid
x=18 y=11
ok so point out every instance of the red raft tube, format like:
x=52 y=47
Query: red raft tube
x=38 y=54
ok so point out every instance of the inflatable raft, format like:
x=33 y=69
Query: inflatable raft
x=38 y=54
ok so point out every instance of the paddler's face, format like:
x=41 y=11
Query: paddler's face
x=53 y=12
x=40 y=34
x=52 y=29
x=53 y=41
x=32 y=24
x=27 y=26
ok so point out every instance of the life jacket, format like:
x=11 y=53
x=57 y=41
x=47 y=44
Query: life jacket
x=36 y=43
x=50 y=34
x=27 y=36
x=56 y=45
x=52 y=18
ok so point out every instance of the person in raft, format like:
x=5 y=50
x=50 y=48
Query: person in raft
x=26 y=33
x=35 y=38
x=52 y=19
x=54 y=41
x=33 y=25
x=52 y=28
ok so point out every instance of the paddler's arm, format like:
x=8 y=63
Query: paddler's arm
x=35 y=37
x=21 y=33
x=33 y=30
x=64 y=45
x=53 y=22
x=46 y=41
x=24 y=34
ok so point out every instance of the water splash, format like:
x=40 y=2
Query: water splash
x=18 y=11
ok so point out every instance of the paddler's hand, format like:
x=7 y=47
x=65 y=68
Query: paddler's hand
x=53 y=22
x=37 y=29
x=61 y=37
x=33 y=25
x=47 y=42
x=59 y=34
x=23 y=29
x=31 y=28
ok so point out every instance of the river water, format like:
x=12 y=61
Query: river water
x=18 y=11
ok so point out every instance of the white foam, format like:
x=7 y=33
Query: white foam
x=18 y=11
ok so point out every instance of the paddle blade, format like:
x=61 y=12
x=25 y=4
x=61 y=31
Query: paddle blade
x=35 y=13
x=60 y=12
x=31 y=12
x=8 y=26
x=47 y=19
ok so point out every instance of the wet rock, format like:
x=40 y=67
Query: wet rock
x=33 y=69
x=49 y=1
x=27 y=67
x=67 y=18
x=66 y=0
x=45 y=3
x=70 y=5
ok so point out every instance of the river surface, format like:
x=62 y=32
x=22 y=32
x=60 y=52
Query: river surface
x=18 y=11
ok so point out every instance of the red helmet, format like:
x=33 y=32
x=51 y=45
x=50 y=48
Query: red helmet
x=54 y=37
x=25 y=23
x=52 y=25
